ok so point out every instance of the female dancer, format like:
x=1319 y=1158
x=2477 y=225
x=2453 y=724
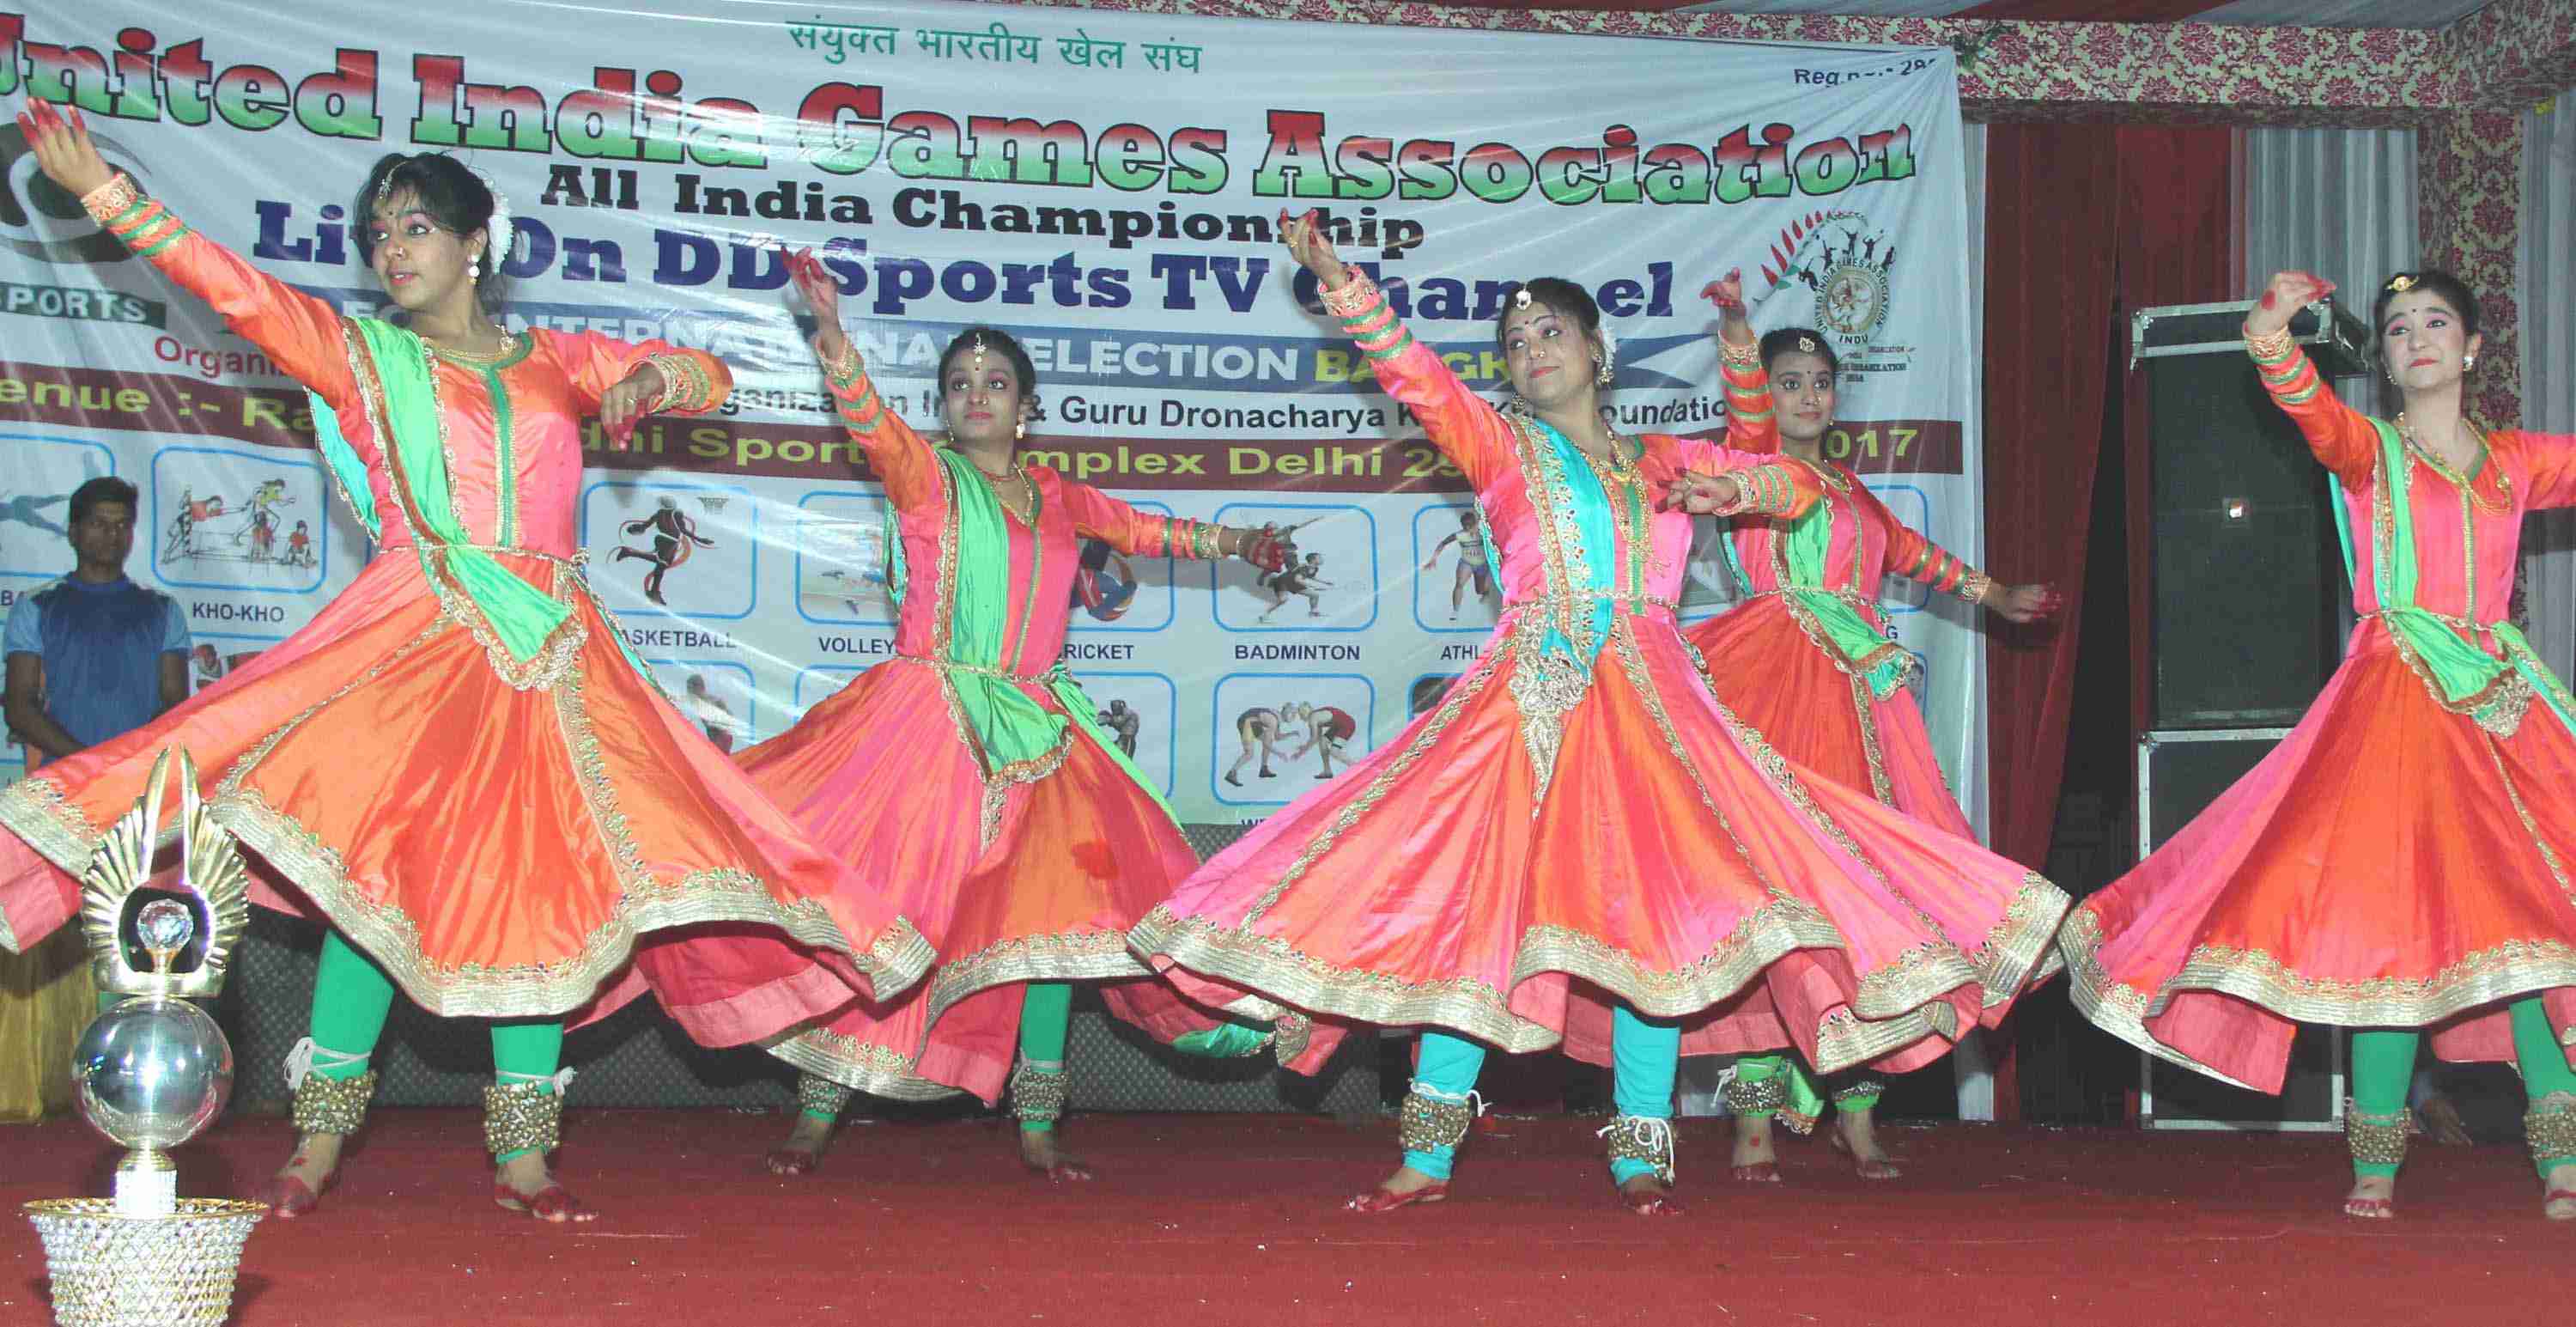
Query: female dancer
x=1578 y=835
x=973 y=769
x=454 y=765
x=2399 y=861
x=1810 y=662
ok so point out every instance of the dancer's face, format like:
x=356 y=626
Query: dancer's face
x=422 y=265
x=2423 y=339
x=1550 y=358
x=981 y=398
x=1802 y=390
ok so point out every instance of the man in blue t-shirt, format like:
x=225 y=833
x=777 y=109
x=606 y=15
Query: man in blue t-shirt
x=93 y=655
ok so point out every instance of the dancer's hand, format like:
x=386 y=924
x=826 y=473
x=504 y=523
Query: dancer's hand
x=1306 y=244
x=62 y=147
x=1700 y=494
x=822 y=294
x=2288 y=293
x=625 y=405
x=1260 y=548
x=2024 y=603
x=1727 y=293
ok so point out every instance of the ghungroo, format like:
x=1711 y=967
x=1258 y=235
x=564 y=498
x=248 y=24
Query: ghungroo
x=1867 y=1087
x=1290 y=1034
x=1643 y=1138
x=1428 y=1120
x=2550 y=1127
x=522 y=1117
x=1749 y=1096
x=333 y=1105
x=1038 y=1091
x=820 y=1097
x=2376 y=1140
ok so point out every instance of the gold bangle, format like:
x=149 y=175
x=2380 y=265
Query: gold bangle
x=110 y=200
x=2269 y=347
x=1742 y=357
x=1973 y=586
x=846 y=368
x=1355 y=296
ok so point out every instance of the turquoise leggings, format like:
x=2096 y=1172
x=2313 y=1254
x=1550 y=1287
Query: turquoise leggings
x=352 y=996
x=1644 y=1053
x=2383 y=1064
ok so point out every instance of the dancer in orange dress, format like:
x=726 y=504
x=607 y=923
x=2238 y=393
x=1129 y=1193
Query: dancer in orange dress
x=455 y=765
x=1578 y=844
x=972 y=770
x=1810 y=661
x=2399 y=863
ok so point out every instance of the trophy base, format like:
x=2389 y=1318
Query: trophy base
x=176 y=1269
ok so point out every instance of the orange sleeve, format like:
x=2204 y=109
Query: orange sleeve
x=2552 y=458
x=1140 y=533
x=694 y=382
x=301 y=334
x=1465 y=429
x=900 y=457
x=1910 y=554
x=2340 y=437
x=1751 y=423
x=1768 y=485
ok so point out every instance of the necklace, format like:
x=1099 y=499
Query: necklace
x=2501 y=503
x=1026 y=509
x=509 y=346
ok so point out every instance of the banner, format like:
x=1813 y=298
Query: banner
x=1105 y=186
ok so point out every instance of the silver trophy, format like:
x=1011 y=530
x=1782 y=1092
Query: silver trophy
x=152 y=1073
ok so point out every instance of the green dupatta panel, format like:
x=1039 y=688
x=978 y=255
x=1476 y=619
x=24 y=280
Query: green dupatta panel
x=1864 y=649
x=2464 y=678
x=1587 y=505
x=1009 y=726
x=410 y=434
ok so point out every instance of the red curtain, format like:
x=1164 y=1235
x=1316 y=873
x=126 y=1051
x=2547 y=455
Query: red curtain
x=2084 y=223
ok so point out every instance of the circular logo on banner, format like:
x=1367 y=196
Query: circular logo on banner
x=1852 y=299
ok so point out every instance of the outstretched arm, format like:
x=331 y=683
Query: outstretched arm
x=1913 y=556
x=2341 y=438
x=301 y=334
x=1465 y=429
x=1100 y=516
x=1717 y=480
x=626 y=380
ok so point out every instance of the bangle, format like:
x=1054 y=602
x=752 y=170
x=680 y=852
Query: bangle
x=2269 y=347
x=1972 y=587
x=108 y=200
x=1354 y=296
x=844 y=369
x=1209 y=541
x=1742 y=357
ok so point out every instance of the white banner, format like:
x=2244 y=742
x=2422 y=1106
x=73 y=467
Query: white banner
x=1102 y=185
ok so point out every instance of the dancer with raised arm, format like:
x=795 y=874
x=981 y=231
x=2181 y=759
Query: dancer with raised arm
x=1578 y=843
x=454 y=765
x=2399 y=862
x=972 y=769
x=1809 y=660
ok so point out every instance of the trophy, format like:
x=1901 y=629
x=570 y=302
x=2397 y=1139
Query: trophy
x=152 y=1072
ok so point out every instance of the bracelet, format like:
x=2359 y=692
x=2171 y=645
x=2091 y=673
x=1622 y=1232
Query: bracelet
x=2269 y=347
x=108 y=200
x=1742 y=357
x=1354 y=296
x=846 y=368
x=1972 y=587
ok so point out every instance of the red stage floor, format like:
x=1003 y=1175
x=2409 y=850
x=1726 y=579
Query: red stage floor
x=1232 y=1219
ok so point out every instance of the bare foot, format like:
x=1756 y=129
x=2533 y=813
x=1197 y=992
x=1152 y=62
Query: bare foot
x=803 y=1149
x=1856 y=1136
x=1754 y=1162
x=1648 y=1195
x=1404 y=1187
x=522 y=1184
x=1039 y=1152
x=2561 y=1203
x=316 y=1160
x=2373 y=1197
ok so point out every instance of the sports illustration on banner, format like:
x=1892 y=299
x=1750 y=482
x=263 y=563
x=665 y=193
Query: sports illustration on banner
x=1105 y=186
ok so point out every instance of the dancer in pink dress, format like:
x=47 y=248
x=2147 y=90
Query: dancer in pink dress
x=2399 y=863
x=973 y=772
x=1578 y=839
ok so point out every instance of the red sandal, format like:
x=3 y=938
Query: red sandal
x=553 y=1204
x=1387 y=1200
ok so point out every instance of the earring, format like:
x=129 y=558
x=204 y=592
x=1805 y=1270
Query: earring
x=1605 y=373
x=2468 y=363
x=1019 y=431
